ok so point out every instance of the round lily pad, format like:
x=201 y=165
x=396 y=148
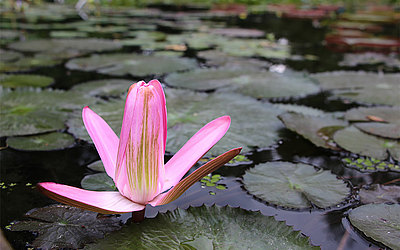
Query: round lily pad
x=24 y=64
x=24 y=80
x=133 y=64
x=103 y=88
x=27 y=112
x=97 y=166
x=206 y=228
x=9 y=56
x=238 y=32
x=196 y=41
x=362 y=87
x=377 y=193
x=295 y=185
x=68 y=34
x=68 y=47
x=43 y=142
x=380 y=222
x=60 y=226
x=314 y=128
x=98 y=182
x=217 y=58
x=355 y=141
x=189 y=111
x=370 y=58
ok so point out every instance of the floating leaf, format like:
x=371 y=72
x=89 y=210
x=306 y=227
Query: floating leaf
x=133 y=64
x=97 y=166
x=24 y=64
x=98 y=182
x=104 y=88
x=202 y=227
x=381 y=222
x=366 y=164
x=68 y=34
x=238 y=32
x=67 y=47
x=43 y=142
x=361 y=143
x=362 y=87
x=9 y=56
x=377 y=193
x=61 y=226
x=217 y=58
x=295 y=185
x=23 y=80
x=310 y=127
x=370 y=58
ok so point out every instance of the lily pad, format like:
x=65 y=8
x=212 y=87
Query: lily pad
x=133 y=64
x=295 y=185
x=369 y=164
x=313 y=127
x=24 y=80
x=189 y=111
x=97 y=166
x=68 y=34
x=27 y=112
x=380 y=222
x=206 y=228
x=238 y=32
x=24 y=64
x=377 y=193
x=67 y=47
x=61 y=226
x=196 y=41
x=370 y=58
x=362 y=87
x=217 y=58
x=98 y=182
x=355 y=141
x=43 y=142
x=9 y=56
x=104 y=88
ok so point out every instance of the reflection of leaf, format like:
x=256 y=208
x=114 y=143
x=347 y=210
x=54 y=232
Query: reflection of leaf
x=295 y=185
x=215 y=227
x=380 y=194
x=61 y=226
x=381 y=222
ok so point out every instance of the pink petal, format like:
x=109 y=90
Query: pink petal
x=140 y=173
x=202 y=171
x=101 y=202
x=161 y=94
x=104 y=138
x=194 y=149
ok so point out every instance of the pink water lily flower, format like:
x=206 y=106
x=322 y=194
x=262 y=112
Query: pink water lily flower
x=135 y=161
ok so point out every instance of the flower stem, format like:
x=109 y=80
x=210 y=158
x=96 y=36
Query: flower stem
x=138 y=216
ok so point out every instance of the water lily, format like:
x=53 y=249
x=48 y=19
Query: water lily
x=135 y=161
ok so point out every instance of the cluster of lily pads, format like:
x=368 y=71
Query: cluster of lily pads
x=236 y=72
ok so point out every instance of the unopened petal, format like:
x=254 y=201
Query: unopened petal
x=101 y=202
x=140 y=171
x=194 y=149
x=104 y=138
x=202 y=171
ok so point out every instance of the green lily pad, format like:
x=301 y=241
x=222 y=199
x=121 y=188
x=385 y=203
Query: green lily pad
x=196 y=41
x=370 y=58
x=377 y=193
x=61 y=226
x=206 y=228
x=355 y=141
x=133 y=64
x=362 y=87
x=299 y=109
x=7 y=36
x=97 y=166
x=109 y=29
x=380 y=222
x=68 y=34
x=98 y=182
x=9 y=56
x=67 y=47
x=104 y=88
x=238 y=32
x=295 y=185
x=313 y=127
x=256 y=48
x=382 y=121
x=27 y=112
x=368 y=164
x=189 y=111
x=23 y=80
x=43 y=142
x=24 y=64
x=217 y=58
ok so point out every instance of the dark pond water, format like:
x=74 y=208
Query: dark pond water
x=328 y=228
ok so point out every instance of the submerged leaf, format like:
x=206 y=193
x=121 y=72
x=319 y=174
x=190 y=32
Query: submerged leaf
x=215 y=227
x=295 y=185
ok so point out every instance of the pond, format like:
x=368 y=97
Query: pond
x=313 y=97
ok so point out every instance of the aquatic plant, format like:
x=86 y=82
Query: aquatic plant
x=135 y=161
